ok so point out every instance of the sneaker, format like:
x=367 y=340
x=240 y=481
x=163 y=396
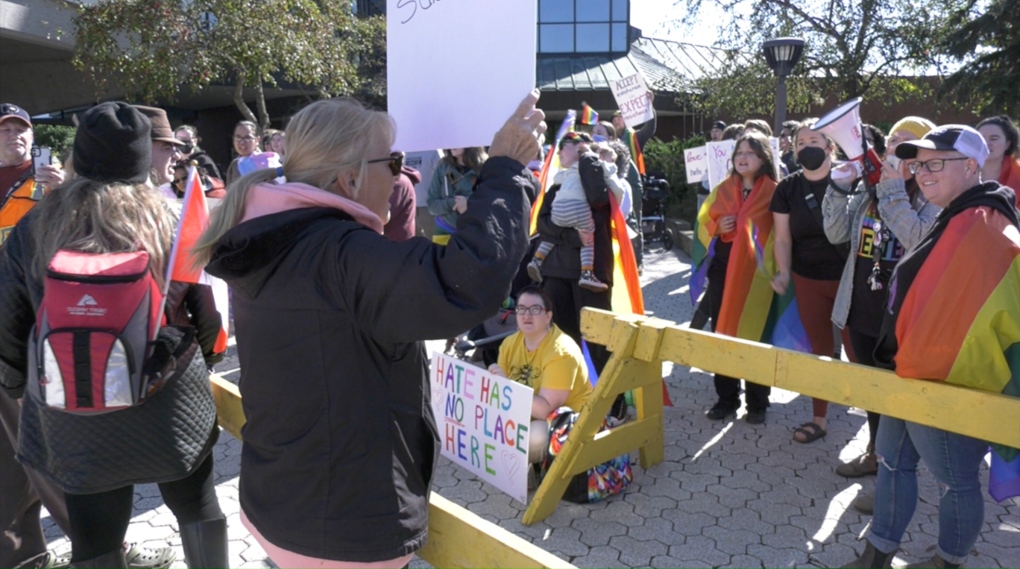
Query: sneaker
x=865 y=503
x=864 y=465
x=46 y=560
x=755 y=417
x=588 y=280
x=139 y=557
x=535 y=270
x=720 y=411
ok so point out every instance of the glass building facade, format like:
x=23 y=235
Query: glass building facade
x=583 y=26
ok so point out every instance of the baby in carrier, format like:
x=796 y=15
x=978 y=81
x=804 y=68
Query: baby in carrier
x=570 y=209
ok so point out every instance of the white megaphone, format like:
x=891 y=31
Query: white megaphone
x=843 y=125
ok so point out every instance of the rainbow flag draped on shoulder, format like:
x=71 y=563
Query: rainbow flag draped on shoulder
x=550 y=167
x=750 y=308
x=954 y=309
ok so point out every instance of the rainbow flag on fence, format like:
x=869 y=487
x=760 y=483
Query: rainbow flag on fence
x=970 y=339
x=588 y=115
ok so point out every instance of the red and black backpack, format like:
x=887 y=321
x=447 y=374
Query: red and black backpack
x=98 y=316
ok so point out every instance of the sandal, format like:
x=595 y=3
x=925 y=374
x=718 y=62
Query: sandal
x=810 y=431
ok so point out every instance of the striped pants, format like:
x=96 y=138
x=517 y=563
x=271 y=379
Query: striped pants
x=575 y=214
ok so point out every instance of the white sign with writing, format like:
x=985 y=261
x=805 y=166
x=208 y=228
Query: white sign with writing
x=720 y=155
x=631 y=95
x=483 y=423
x=452 y=81
x=696 y=164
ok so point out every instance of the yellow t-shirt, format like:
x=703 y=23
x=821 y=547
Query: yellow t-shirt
x=557 y=363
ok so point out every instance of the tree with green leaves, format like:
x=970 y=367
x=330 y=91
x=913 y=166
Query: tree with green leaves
x=853 y=48
x=986 y=43
x=153 y=48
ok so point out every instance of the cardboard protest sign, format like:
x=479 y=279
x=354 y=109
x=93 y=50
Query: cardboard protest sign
x=483 y=423
x=696 y=162
x=451 y=81
x=425 y=163
x=631 y=95
x=719 y=160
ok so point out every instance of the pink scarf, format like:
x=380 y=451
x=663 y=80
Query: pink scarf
x=266 y=199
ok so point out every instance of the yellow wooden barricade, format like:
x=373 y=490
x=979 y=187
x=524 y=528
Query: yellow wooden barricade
x=634 y=365
x=457 y=537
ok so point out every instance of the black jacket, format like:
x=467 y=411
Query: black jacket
x=340 y=441
x=564 y=260
x=21 y=292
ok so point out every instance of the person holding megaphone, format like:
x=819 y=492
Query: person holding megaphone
x=880 y=225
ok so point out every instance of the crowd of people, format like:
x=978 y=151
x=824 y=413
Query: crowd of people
x=314 y=234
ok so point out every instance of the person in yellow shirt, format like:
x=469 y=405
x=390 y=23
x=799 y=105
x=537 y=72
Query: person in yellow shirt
x=542 y=357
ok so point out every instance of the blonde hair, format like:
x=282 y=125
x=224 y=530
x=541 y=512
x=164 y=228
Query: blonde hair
x=98 y=217
x=322 y=139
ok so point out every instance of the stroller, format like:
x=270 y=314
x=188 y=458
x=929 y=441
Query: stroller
x=653 y=212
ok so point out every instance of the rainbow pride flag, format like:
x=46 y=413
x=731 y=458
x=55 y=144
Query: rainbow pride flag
x=635 y=149
x=588 y=115
x=954 y=303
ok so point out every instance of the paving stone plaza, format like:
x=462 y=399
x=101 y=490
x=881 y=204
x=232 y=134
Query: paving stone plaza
x=728 y=494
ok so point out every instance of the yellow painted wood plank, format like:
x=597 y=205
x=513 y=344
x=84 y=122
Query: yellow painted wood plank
x=719 y=354
x=460 y=538
x=648 y=403
x=597 y=325
x=611 y=444
x=229 y=412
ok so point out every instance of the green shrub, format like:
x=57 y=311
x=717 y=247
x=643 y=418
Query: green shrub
x=667 y=159
x=58 y=138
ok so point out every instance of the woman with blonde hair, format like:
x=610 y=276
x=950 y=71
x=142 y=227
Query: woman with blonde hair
x=96 y=458
x=740 y=294
x=340 y=443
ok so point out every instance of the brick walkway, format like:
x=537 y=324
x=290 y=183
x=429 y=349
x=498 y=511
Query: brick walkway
x=728 y=494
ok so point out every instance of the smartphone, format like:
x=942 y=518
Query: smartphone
x=41 y=156
x=893 y=161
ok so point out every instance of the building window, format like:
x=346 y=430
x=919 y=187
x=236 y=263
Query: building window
x=583 y=26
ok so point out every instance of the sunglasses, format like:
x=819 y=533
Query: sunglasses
x=395 y=159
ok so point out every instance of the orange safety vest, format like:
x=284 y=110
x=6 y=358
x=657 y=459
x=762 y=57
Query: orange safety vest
x=21 y=200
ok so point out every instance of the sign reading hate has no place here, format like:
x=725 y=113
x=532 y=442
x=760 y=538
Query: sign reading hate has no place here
x=483 y=423
x=457 y=69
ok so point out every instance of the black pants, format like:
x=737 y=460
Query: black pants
x=99 y=521
x=567 y=301
x=726 y=387
x=864 y=352
x=23 y=492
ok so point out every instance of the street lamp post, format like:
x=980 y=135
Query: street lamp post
x=782 y=54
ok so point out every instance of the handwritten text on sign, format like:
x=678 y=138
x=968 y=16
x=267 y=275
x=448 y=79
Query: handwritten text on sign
x=631 y=95
x=696 y=161
x=483 y=423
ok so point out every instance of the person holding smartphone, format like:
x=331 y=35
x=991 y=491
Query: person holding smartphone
x=22 y=183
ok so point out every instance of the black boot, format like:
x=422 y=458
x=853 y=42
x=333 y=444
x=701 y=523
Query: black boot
x=205 y=544
x=871 y=559
x=111 y=560
x=935 y=562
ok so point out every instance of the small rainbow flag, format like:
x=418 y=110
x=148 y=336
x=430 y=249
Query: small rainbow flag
x=588 y=115
x=635 y=150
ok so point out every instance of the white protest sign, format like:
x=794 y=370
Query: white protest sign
x=696 y=163
x=425 y=163
x=451 y=81
x=777 y=158
x=483 y=423
x=631 y=95
x=719 y=160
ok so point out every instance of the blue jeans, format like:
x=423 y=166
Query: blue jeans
x=953 y=459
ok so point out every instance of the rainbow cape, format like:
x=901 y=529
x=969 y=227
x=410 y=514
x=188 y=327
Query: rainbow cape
x=954 y=309
x=588 y=115
x=1010 y=176
x=550 y=167
x=630 y=137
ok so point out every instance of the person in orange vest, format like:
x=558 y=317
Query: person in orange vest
x=21 y=186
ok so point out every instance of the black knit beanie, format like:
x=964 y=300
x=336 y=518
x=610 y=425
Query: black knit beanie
x=112 y=144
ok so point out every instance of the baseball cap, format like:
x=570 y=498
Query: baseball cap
x=9 y=111
x=950 y=137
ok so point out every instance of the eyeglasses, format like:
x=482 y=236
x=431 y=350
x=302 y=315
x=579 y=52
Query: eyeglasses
x=187 y=148
x=532 y=310
x=244 y=139
x=395 y=159
x=934 y=165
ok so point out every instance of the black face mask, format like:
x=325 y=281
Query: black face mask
x=811 y=157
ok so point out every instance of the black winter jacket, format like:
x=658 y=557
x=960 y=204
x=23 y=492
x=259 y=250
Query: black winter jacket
x=564 y=261
x=21 y=291
x=341 y=441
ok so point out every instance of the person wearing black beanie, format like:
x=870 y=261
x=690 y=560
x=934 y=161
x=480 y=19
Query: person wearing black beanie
x=113 y=144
